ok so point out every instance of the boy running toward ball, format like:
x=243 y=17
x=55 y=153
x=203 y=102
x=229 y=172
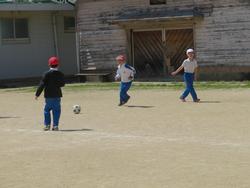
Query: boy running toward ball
x=51 y=83
x=125 y=73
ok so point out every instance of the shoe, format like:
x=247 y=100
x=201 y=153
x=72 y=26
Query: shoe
x=46 y=128
x=55 y=129
x=127 y=99
x=183 y=100
x=121 y=103
x=197 y=100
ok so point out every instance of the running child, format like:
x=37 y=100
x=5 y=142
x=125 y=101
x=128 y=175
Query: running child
x=125 y=73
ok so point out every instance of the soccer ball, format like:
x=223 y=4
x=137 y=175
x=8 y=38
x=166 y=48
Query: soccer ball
x=76 y=109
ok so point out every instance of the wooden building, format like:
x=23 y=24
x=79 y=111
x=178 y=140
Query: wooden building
x=154 y=34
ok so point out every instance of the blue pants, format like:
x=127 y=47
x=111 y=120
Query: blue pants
x=54 y=105
x=123 y=91
x=189 y=79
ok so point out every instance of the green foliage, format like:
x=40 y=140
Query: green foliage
x=143 y=85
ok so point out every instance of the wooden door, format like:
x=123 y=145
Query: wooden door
x=148 y=57
x=154 y=57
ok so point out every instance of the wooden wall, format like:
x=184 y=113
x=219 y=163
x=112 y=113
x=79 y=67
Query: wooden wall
x=224 y=37
x=221 y=38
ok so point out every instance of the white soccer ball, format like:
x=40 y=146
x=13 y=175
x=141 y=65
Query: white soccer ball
x=76 y=109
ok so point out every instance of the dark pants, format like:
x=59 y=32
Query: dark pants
x=54 y=105
x=189 y=79
x=123 y=91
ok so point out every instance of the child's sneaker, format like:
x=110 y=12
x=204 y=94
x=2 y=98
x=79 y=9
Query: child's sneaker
x=55 y=129
x=121 y=103
x=46 y=128
x=197 y=100
x=183 y=100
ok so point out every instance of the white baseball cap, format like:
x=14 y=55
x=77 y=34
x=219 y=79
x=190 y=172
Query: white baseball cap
x=190 y=50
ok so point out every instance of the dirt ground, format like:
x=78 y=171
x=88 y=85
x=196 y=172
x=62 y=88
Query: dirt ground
x=155 y=141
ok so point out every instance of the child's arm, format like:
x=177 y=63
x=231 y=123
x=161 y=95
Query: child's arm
x=133 y=72
x=177 y=71
x=61 y=81
x=40 y=87
x=117 y=76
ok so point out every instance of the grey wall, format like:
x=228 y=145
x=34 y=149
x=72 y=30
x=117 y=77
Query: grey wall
x=30 y=59
x=67 y=47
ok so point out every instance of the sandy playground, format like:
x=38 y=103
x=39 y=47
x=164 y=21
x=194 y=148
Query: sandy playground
x=155 y=141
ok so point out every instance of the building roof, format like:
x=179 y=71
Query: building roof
x=36 y=7
x=9 y=5
x=156 y=15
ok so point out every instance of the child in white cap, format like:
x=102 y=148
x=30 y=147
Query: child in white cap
x=190 y=66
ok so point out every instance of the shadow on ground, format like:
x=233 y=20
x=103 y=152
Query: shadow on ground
x=8 y=117
x=210 y=102
x=139 y=106
x=75 y=130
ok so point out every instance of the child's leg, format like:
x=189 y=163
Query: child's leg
x=192 y=90
x=122 y=93
x=56 y=111
x=187 y=89
x=47 y=109
x=185 y=93
x=193 y=94
x=127 y=87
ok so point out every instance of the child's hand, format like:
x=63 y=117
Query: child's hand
x=173 y=73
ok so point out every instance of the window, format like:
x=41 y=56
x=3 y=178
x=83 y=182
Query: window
x=69 y=24
x=157 y=2
x=15 y=29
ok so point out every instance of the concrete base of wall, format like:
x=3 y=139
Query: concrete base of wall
x=95 y=77
x=224 y=73
x=223 y=76
x=25 y=82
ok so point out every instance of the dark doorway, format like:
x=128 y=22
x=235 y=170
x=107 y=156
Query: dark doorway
x=177 y=42
x=155 y=55
x=148 y=57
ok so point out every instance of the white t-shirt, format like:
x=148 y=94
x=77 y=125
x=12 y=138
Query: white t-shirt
x=125 y=72
x=189 y=66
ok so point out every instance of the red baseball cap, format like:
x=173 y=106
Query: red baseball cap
x=120 y=58
x=53 y=61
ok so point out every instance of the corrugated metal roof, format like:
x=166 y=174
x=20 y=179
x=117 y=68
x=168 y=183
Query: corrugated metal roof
x=35 y=7
x=149 y=14
x=39 y=1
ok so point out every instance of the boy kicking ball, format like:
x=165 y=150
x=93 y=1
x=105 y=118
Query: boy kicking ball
x=51 y=83
x=190 y=67
x=125 y=73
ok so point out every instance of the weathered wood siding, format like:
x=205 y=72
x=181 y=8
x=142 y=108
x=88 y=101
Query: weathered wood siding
x=221 y=38
x=101 y=41
x=224 y=37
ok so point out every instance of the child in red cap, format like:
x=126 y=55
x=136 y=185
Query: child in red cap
x=51 y=83
x=125 y=73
